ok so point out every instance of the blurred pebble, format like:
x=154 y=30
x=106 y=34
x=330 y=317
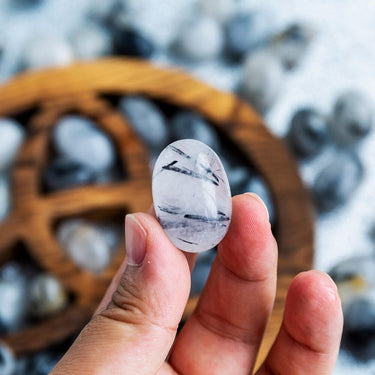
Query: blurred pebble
x=107 y=176
x=221 y=10
x=357 y=272
x=66 y=228
x=352 y=118
x=258 y=186
x=291 y=45
x=79 y=139
x=190 y=125
x=308 y=132
x=263 y=78
x=238 y=176
x=7 y=361
x=104 y=11
x=46 y=51
x=42 y=363
x=130 y=41
x=64 y=173
x=25 y=3
x=245 y=32
x=12 y=135
x=85 y=245
x=47 y=296
x=359 y=329
x=201 y=271
x=337 y=181
x=112 y=233
x=200 y=39
x=147 y=120
x=10 y=271
x=13 y=304
x=4 y=197
x=91 y=41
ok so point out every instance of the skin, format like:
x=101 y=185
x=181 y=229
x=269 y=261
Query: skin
x=134 y=328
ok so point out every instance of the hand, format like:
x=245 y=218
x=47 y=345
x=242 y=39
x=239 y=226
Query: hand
x=134 y=328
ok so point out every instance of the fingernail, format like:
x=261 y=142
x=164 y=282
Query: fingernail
x=260 y=200
x=135 y=241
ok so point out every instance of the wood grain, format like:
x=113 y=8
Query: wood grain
x=81 y=88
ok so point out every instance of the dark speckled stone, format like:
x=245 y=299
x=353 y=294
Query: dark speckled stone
x=64 y=173
x=128 y=41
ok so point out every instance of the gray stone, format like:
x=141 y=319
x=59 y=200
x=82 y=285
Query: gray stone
x=201 y=271
x=4 y=198
x=246 y=32
x=359 y=329
x=221 y=10
x=113 y=234
x=337 y=181
x=64 y=173
x=190 y=125
x=47 y=296
x=13 y=304
x=290 y=46
x=352 y=119
x=79 y=139
x=12 y=135
x=91 y=41
x=237 y=172
x=43 y=363
x=147 y=121
x=11 y=271
x=104 y=11
x=263 y=78
x=201 y=38
x=46 y=51
x=308 y=132
x=7 y=361
x=85 y=245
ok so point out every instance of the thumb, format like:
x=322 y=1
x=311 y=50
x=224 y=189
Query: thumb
x=135 y=332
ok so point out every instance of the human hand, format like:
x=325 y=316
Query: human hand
x=134 y=328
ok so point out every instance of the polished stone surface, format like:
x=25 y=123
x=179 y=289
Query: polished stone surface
x=308 y=132
x=337 y=182
x=47 y=51
x=4 y=197
x=146 y=119
x=263 y=79
x=64 y=173
x=353 y=118
x=129 y=41
x=190 y=125
x=291 y=45
x=12 y=135
x=79 y=139
x=191 y=195
x=221 y=10
x=91 y=41
x=89 y=245
x=47 y=296
x=200 y=39
x=7 y=361
x=13 y=306
x=246 y=31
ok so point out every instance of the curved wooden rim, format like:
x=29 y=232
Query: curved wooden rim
x=236 y=119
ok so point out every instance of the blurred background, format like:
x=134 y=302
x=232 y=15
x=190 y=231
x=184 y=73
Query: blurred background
x=306 y=66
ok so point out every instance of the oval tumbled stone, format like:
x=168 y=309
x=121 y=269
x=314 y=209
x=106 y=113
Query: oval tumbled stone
x=191 y=195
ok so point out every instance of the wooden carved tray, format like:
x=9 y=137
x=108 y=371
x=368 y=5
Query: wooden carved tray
x=39 y=99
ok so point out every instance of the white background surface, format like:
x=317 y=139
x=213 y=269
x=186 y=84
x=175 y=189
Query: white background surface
x=342 y=56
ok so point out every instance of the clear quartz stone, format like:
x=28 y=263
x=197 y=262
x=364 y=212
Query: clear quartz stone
x=191 y=195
